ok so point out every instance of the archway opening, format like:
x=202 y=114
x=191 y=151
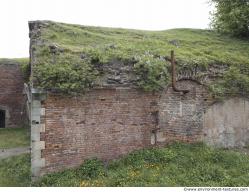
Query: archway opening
x=2 y=118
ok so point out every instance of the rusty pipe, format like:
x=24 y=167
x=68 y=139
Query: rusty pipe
x=173 y=67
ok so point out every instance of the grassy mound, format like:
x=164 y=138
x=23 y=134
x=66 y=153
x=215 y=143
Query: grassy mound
x=191 y=45
x=174 y=165
x=67 y=56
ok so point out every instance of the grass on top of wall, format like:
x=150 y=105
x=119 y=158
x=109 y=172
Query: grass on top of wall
x=69 y=57
x=175 y=165
x=14 y=137
x=196 y=46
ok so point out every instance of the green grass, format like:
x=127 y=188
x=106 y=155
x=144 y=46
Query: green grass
x=174 y=165
x=194 y=45
x=15 y=171
x=14 y=137
x=69 y=57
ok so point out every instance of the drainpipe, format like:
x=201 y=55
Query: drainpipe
x=173 y=67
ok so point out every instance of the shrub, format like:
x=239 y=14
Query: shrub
x=231 y=17
x=152 y=72
x=67 y=73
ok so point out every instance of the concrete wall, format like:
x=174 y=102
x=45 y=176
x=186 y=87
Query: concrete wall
x=11 y=97
x=226 y=124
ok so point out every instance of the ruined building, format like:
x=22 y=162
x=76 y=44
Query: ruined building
x=97 y=92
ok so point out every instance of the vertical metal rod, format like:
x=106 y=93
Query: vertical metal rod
x=173 y=70
x=173 y=67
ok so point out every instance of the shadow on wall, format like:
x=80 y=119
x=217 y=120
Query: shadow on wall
x=2 y=118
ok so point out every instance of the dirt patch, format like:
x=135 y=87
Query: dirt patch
x=5 y=153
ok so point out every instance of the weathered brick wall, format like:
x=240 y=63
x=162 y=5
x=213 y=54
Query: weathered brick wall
x=181 y=115
x=108 y=123
x=11 y=97
x=104 y=123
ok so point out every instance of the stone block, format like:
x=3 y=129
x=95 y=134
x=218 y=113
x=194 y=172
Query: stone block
x=36 y=145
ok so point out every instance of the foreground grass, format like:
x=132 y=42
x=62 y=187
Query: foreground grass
x=14 y=137
x=175 y=165
x=15 y=171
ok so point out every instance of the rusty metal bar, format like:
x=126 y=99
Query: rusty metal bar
x=173 y=67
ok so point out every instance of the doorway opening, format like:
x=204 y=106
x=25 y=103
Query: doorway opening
x=2 y=118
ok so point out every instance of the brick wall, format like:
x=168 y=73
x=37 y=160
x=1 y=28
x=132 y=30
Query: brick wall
x=108 y=123
x=181 y=115
x=11 y=97
x=104 y=123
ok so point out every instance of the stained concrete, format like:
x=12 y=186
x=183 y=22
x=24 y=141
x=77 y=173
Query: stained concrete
x=226 y=124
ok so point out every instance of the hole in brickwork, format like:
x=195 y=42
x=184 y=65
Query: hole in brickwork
x=2 y=118
x=34 y=122
x=80 y=122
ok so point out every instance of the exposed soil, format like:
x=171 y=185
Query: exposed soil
x=5 y=153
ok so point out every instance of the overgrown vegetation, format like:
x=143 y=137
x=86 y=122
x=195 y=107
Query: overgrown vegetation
x=175 y=165
x=152 y=72
x=15 y=171
x=14 y=137
x=65 y=72
x=68 y=57
x=25 y=67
